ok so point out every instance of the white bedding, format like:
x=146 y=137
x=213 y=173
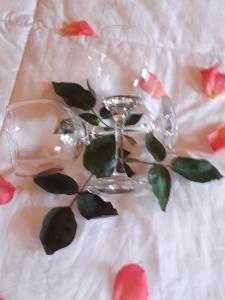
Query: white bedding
x=181 y=250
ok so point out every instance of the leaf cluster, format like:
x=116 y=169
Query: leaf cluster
x=59 y=225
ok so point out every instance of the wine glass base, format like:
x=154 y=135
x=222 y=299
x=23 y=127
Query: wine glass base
x=117 y=184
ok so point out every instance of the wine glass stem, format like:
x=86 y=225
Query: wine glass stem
x=119 y=120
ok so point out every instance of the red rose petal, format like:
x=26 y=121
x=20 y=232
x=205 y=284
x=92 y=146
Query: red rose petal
x=213 y=83
x=7 y=191
x=130 y=284
x=219 y=86
x=77 y=28
x=151 y=85
x=208 y=79
x=217 y=138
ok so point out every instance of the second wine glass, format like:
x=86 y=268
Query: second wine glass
x=42 y=134
x=118 y=59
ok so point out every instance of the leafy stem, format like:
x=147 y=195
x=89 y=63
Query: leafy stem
x=99 y=155
x=81 y=190
x=135 y=160
x=100 y=119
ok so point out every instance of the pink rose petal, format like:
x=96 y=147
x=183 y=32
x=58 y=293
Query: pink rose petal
x=213 y=83
x=151 y=85
x=77 y=28
x=7 y=191
x=217 y=138
x=130 y=283
x=219 y=86
x=208 y=79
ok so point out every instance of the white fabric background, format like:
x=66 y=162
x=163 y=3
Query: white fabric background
x=183 y=250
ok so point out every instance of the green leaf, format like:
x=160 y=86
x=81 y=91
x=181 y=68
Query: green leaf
x=58 y=229
x=66 y=126
x=133 y=119
x=159 y=178
x=90 y=118
x=125 y=153
x=56 y=183
x=156 y=149
x=198 y=170
x=99 y=156
x=132 y=160
x=74 y=95
x=128 y=170
x=130 y=140
x=105 y=113
x=92 y=206
x=107 y=128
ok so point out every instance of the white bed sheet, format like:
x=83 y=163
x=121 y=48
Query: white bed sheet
x=183 y=250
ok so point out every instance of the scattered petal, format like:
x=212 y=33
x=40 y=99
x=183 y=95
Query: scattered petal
x=219 y=87
x=6 y=191
x=130 y=283
x=217 y=138
x=208 y=79
x=213 y=83
x=77 y=28
x=1 y=298
x=151 y=85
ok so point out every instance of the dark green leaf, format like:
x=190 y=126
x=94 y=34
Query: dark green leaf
x=130 y=140
x=58 y=229
x=99 y=156
x=66 y=126
x=90 y=118
x=105 y=113
x=107 y=128
x=159 y=178
x=74 y=95
x=91 y=89
x=156 y=149
x=125 y=153
x=56 y=183
x=198 y=170
x=92 y=206
x=133 y=119
x=128 y=170
x=132 y=160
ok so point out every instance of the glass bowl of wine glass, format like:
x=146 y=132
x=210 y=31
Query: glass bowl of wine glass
x=118 y=58
x=42 y=134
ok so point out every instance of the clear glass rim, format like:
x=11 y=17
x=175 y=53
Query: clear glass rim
x=122 y=26
x=22 y=103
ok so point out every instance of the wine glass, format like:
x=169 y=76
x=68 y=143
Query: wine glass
x=42 y=134
x=118 y=58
